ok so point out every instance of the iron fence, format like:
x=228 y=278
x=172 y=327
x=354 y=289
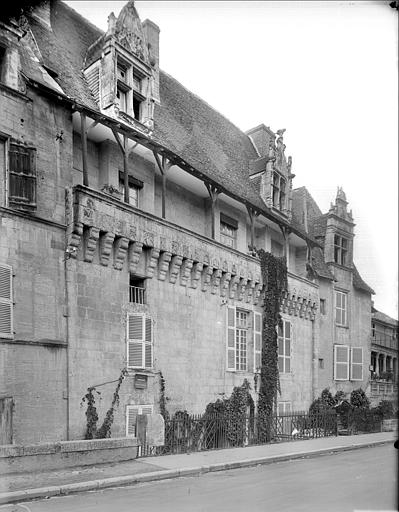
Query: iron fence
x=192 y=433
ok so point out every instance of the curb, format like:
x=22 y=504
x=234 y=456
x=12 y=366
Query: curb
x=106 y=483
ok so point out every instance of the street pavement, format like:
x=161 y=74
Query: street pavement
x=355 y=480
x=23 y=487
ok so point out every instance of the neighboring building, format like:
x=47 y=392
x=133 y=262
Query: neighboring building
x=384 y=357
x=343 y=345
x=130 y=210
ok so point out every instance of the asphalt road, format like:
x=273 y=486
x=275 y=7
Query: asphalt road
x=363 y=479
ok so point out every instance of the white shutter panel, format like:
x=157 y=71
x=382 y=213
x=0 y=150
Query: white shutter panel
x=6 y=305
x=357 y=363
x=131 y=415
x=341 y=362
x=231 y=338
x=146 y=409
x=135 y=341
x=148 y=347
x=257 y=341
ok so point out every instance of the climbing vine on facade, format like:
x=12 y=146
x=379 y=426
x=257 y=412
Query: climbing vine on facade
x=274 y=275
x=162 y=398
x=91 y=412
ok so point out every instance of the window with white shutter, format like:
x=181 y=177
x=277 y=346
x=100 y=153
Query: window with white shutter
x=6 y=304
x=284 y=346
x=139 y=341
x=132 y=411
x=231 y=338
x=341 y=362
x=257 y=341
x=341 y=308
x=357 y=363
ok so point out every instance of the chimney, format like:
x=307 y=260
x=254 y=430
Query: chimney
x=151 y=33
x=261 y=136
x=41 y=13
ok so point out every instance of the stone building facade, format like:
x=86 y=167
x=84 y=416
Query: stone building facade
x=130 y=212
x=384 y=357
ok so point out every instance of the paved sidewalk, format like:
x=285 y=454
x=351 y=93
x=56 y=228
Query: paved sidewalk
x=23 y=487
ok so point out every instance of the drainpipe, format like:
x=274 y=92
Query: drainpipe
x=67 y=333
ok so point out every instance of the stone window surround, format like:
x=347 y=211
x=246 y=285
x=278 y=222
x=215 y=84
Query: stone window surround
x=127 y=85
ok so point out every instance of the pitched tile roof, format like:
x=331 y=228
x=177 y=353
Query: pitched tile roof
x=382 y=317
x=359 y=283
x=184 y=123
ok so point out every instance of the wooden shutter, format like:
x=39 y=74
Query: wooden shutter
x=135 y=341
x=231 y=338
x=22 y=169
x=341 y=362
x=257 y=341
x=132 y=411
x=6 y=305
x=357 y=363
x=148 y=346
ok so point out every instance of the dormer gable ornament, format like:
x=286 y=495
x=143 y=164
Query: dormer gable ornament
x=128 y=31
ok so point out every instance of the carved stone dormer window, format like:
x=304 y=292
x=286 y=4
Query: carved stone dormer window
x=279 y=184
x=122 y=69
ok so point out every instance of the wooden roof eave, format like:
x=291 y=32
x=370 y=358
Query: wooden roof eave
x=173 y=157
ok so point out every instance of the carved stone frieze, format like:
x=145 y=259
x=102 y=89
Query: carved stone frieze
x=185 y=273
x=152 y=258
x=175 y=265
x=90 y=239
x=135 y=250
x=106 y=242
x=120 y=249
x=163 y=265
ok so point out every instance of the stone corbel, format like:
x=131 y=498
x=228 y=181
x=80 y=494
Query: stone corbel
x=152 y=258
x=175 y=268
x=250 y=291
x=257 y=292
x=196 y=274
x=233 y=286
x=215 y=284
x=106 y=242
x=225 y=281
x=74 y=239
x=121 y=247
x=206 y=277
x=135 y=250
x=187 y=265
x=241 y=288
x=90 y=239
x=163 y=265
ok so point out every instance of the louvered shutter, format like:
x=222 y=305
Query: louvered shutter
x=231 y=342
x=257 y=341
x=341 y=362
x=6 y=305
x=135 y=341
x=357 y=363
x=148 y=346
x=131 y=415
x=22 y=166
x=146 y=409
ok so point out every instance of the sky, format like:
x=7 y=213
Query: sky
x=327 y=72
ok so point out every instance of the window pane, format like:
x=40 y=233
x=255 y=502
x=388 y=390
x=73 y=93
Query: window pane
x=287 y=365
x=280 y=364
x=287 y=347
x=341 y=354
x=287 y=329
x=280 y=347
x=342 y=371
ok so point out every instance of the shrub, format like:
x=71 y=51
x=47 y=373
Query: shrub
x=386 y=409
x=359 y=399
